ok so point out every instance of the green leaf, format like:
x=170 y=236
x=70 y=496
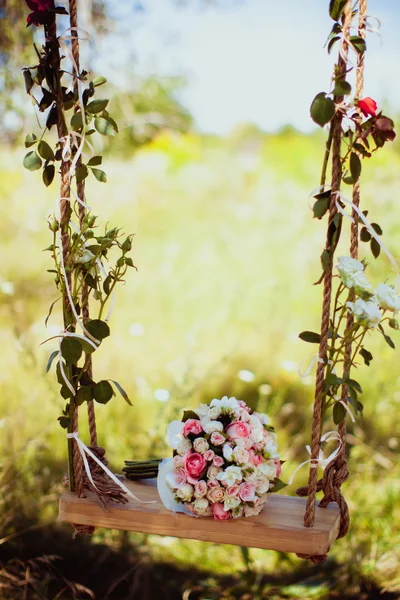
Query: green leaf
x=96 y=106
x=122 y=392
x=90 y=281
x=332 y=42
x=86 y=347
x=66 y=392
x=84 y=394
x=320 y=207
x=189 y=414
x=360 y=148
x=48 y=175
x=339 y=412
x=51 y=308
x=50 y=361
x=64 y=422
x=377 y=228
x=278 y=485
x=104 y=126
x=375 y=248
x=81 y=173
x=99 y=329
x=389 y=341
x=332 y=380
x=97 y=81
x=310 y=336
x=336 y=8
x=106 y=284
x=352 y=394
x=32 y=161
x=30 y=140
x=95 y=160
x=367 y=356
x=45 y=150
x=325 y=260
x=103 y=392
x=393 y=323
x=358 y=43
x=355 y=166
x=71 y=350
x=28 y=80
x=342 y=88
x=365 y=235
x=99 y=174
x=76 y=121
x=354 y=384
x=129 y=262
x=322 y=109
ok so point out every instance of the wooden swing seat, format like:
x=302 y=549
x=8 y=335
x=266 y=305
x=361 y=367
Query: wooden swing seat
x=278 y=527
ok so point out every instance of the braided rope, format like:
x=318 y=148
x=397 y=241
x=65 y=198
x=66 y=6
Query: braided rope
x=336 y=472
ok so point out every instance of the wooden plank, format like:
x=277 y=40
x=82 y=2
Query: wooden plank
x=279 y=526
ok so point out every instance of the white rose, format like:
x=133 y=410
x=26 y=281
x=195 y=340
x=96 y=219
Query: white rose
x=213 y=472
x=366 y=312
x=230 y=476
x=202 y=411
x=231 y=502
x=263 y=485
x=252 y=511
x=200 y=445
x=268 y=469
x=184 y=446
x=214 y=412
x=257 y=435
x=264 y=418
x=271 y=447
x=212 y=426
x=241 y=456
x=185 y=492
x=201 y=505
x=387 y=297
x=227 y=452
x=226 y=405
x=352 y=274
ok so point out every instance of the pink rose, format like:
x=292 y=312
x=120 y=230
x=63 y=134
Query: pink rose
x=216 y=494
x=212 y=483
x=255 y=459
x=238 y=429
x=243 y=405
x=200 y=489
x=195 y=465
x=209 y=455
x=217 y=439
x=192 y=426
x=232 y=490
x=180 y=476
x=247 y=491
x=219 y=513
x=178 y=461
x=278 y=466
x=218 y=461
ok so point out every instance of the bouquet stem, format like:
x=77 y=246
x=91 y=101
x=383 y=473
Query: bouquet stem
x=141 y=469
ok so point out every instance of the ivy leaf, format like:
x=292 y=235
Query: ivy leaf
x=95 y=161
x=332 y=380
x=30 y=140
x=98 y=329
x=84 y=394
x=336 y=8
x=365 y=235
x=339 y=413
x=48 y=175
x=106 y=284
x=51 y=359
x=342 y=88
x=32 y=161
x=355 y=166
x=122 y=392
x=45 y=150
x=28 y=80
x=377 y=228
x=352 y=383
x=103 y=392
x=71 y=350
x=81 y=173
x=310 y=336
x=325 y=260
x=97 y=81
x=99 y=174
x=332 y=42
x=320 y=208
x=76 y=121
x=105 y=126
x=322 y=109
x=375 y=248
x=358 y=43
x=367 y=356
x=96 y=106
x=278 y=485
x=64 y=422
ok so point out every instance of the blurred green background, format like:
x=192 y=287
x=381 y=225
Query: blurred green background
x=227 y=253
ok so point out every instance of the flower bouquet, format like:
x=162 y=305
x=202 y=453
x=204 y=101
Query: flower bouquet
x=225 y=461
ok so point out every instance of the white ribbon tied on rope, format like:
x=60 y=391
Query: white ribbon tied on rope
x=320 y=461
x=84 y=450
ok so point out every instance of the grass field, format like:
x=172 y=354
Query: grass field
x=227 y=253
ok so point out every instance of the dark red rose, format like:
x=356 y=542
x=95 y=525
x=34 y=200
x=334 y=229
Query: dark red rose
x=40 y=11
x=368 y=106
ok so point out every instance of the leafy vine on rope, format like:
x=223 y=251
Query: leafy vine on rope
x=364 y=131
x=98 y=260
